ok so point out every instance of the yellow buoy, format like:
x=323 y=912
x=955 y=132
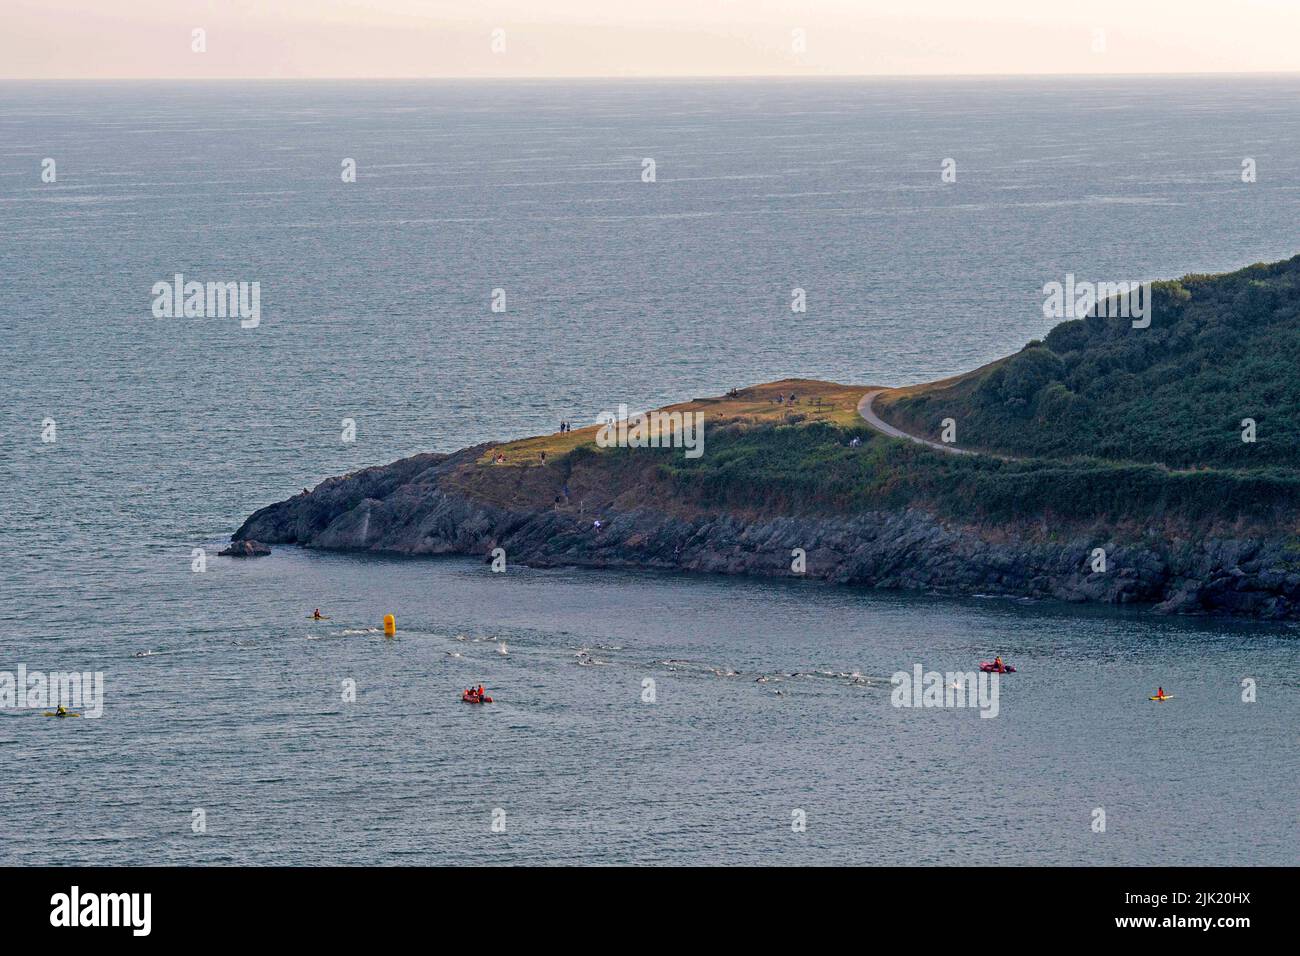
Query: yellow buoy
x=390 y=625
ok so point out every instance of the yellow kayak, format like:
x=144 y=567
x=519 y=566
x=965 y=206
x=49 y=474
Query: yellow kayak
x=53 y=713
x=1166 y=697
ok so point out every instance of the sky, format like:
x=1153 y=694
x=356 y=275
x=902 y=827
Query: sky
x=138 y=39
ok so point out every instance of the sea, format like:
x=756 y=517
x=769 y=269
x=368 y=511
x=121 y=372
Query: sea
x=444 y=263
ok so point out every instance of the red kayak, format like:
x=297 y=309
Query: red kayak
x=989 y=667
x=475 y=699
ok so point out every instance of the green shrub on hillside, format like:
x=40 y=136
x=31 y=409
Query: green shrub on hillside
x=1219 y=349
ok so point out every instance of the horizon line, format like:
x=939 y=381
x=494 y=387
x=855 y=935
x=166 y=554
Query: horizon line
x=638 y=76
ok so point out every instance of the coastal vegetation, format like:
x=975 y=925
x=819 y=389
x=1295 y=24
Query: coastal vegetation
x=1222 y=351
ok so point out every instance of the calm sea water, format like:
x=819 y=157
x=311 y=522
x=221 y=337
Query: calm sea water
x=222 y=696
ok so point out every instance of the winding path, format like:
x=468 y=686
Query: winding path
x=875 y=421
x=871 y=418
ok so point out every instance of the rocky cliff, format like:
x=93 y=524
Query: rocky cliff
x=619 y=509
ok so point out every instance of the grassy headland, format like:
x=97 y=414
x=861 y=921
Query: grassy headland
x=1104 y=436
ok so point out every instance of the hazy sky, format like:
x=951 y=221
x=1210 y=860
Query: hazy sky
x=439 y=38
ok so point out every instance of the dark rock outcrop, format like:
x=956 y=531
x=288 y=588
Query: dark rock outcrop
x=247 y=548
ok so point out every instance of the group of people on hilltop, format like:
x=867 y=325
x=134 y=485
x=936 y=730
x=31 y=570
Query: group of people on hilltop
x=566 y=427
